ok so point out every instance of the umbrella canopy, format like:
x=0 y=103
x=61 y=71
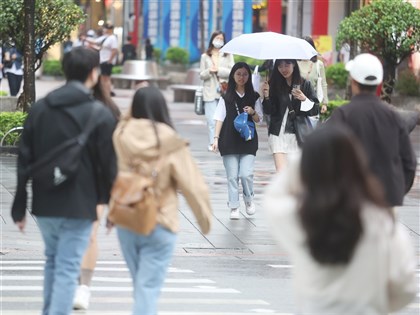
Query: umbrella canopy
x=269 y=45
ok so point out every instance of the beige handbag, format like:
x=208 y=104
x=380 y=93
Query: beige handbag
x=134 y=202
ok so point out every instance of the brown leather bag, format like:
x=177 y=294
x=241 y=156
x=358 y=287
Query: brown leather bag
x=134 y=204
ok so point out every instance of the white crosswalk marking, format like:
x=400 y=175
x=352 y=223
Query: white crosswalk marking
x=22 y=284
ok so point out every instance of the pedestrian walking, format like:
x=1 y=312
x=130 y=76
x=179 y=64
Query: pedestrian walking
x=108 y=51
x=128 y=51
x=147 y=137
x=286 y=96
x=13 y=68
x=344 y=53
x=214 y=71
x=1 y=63
x=327 y=210
x=379 y=128
x=82 y=295
x=238 y=154
x=313 y=70
x=65 y=213
x=148 y=49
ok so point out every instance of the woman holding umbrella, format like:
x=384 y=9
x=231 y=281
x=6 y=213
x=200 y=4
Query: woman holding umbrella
x=214 y=71
x=286 y=96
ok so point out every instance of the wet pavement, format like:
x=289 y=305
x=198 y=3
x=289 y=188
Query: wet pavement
x=237 y=254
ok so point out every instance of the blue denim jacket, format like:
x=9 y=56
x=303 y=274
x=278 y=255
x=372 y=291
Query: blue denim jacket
x=18 y=61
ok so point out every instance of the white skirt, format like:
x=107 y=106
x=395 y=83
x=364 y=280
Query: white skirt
x=284 y=142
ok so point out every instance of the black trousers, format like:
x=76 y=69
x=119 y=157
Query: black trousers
x=14 y=83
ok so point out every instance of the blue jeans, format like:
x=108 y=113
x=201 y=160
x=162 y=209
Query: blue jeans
x=147 y=258
x=210 y=108
x=65 y=243
x=239 y=166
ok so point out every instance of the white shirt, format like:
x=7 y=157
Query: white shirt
x=380 y=277
x=345 y=51
x=107 y=43
x=220 y=113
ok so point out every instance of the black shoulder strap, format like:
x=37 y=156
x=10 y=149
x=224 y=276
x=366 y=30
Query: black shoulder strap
x=90 y=125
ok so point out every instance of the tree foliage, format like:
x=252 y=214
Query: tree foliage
x=389 y=29
x=54 y=21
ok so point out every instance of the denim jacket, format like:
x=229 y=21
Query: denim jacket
x=17 y=62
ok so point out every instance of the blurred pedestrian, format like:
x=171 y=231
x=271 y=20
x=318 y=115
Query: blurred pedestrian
x=146 y=136
x=128 y=51
x=108 y=51
x=67 y=45
x=313 y=70
x=286 y=96
x=1 y=63
x=81 y=300
x=13 y=68
x=327 y=210
x=214 y=71
x=379 y=128
x=238 y=154
x=148 y=49
x=65 y=213
x=344 y=54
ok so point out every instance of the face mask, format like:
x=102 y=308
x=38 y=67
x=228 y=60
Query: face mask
x=217 y=43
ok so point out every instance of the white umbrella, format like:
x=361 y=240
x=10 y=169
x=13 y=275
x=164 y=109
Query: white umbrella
x=269 y=45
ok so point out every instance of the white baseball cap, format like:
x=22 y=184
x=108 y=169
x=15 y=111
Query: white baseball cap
x=366 y=69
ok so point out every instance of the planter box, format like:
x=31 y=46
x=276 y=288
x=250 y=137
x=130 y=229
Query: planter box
x=8 y=103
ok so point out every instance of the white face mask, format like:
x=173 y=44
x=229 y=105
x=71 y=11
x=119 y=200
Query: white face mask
x=217 y=43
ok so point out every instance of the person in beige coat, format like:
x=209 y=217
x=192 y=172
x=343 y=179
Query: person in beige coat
x=147 y=135
x=350 y=256
x=214 y=71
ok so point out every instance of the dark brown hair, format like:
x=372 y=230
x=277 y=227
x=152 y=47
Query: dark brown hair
x=337 y=182
x=210 y=47
x=103 y=94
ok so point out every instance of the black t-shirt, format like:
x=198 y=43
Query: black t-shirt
x=129 y=52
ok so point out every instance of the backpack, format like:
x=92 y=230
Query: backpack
x=134 y=198
x=59 y=165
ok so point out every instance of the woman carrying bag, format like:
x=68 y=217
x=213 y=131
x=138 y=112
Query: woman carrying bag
x=238 y=154
x=147 y=138
x=314 y=71
x=214 y=71
x=287 y=98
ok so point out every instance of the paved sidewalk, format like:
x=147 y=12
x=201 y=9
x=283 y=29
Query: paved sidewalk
x=247 y=237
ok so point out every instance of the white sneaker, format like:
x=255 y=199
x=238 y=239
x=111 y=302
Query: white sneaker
x=250 y=207
x=81 y=298
x=234 y=214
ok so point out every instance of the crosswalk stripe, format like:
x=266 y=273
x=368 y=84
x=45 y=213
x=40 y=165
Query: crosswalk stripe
x=128 y=300
x=281 y=266
x=108 y=279
x=6 y=288
x=37 y=268
x=28 y=312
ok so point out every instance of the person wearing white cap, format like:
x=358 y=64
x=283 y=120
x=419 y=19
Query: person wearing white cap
x=379 y=128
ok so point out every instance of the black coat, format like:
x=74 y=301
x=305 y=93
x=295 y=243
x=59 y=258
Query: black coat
x=277 y=103
x=385 y=140
x=48 y=125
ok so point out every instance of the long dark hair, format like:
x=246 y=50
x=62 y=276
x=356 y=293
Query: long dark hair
x=337 y=181
x=103 y=94
x=311 y=42
x=231 y=95
x=149 y=103
x=278 y=83
x=211 y=46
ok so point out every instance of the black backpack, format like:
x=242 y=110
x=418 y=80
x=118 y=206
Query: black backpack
x=60 y=164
